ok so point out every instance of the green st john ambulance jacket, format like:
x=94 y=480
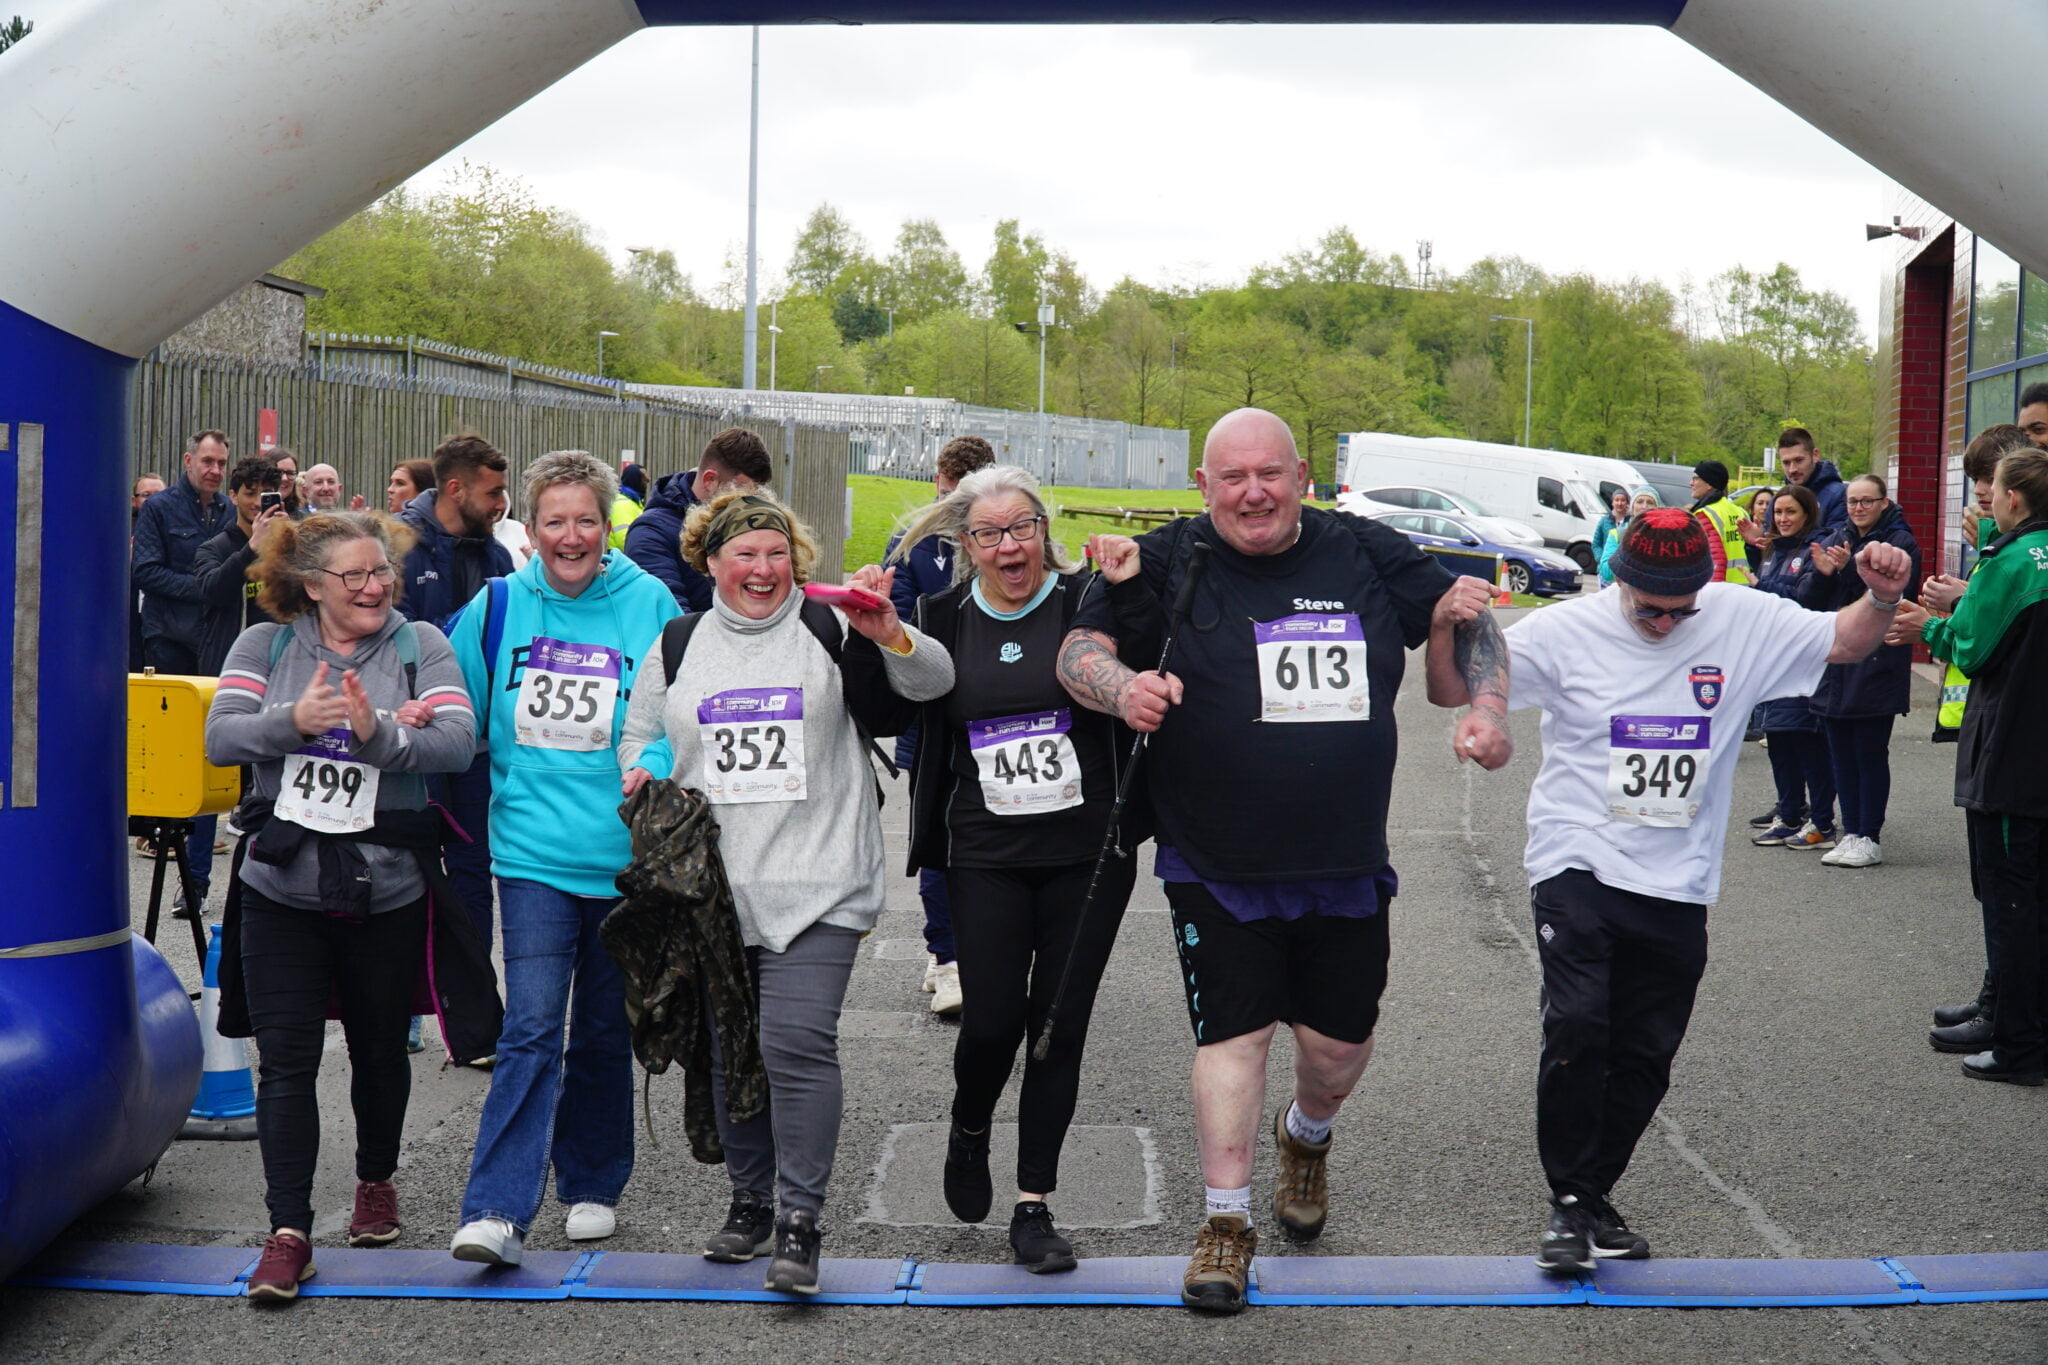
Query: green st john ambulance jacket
x=1998 y=637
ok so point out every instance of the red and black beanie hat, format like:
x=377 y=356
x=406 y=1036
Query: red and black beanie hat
x=1664 y=553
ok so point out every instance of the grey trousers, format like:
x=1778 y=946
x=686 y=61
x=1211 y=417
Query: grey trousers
x=802 y=989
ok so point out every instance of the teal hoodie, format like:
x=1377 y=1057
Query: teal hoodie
x=554 y=812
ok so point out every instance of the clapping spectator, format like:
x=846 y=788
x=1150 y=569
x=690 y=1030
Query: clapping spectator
x=1799 y=751
x=1858 y=701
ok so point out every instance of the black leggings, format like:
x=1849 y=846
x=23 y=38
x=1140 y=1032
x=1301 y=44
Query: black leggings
x=293 y=962
x=1011 y=930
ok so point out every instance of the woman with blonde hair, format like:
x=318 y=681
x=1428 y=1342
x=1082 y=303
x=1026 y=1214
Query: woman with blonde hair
x=337 y=711
x=1011 y=798
x=764 y=714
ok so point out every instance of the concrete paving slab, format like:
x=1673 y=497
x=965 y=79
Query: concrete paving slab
x=1108 y=1178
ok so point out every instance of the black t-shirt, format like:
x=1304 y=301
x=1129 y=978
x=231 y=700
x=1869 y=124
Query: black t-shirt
x=1279 y=762
x=1021 y=744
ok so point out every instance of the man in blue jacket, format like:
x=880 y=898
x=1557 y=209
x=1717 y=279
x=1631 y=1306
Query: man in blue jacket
x=169 y=530
x=455 y=556
x=734 y=458
x=1817 y=476
x=926 y=569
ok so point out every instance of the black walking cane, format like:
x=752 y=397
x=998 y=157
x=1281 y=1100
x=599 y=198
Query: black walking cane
x=1198 y=560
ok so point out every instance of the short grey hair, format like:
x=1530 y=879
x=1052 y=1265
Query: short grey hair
x=559 y=467
x=948 y=517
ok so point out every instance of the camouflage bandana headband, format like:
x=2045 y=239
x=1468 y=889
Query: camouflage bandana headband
x=741 y=515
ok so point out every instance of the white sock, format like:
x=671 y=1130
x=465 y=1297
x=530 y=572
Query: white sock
x=1305 y=1129
x=1238 y=1202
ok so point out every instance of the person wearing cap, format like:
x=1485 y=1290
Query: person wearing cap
x=628 y=505
x=1727 y=525
x=1627 y=817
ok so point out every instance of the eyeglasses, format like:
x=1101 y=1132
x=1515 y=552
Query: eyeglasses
x=1675 y=613
x=1023 y=532
x=355 y=579
x=1866 y=502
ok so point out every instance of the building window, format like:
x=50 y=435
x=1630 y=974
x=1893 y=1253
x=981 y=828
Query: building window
x=2008 y=336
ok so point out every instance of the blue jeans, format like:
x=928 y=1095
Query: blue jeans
x=573 y=1108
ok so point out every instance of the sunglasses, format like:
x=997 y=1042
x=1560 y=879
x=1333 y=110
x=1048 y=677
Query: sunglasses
x=1675 y=613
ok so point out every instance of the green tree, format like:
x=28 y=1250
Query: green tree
x=14 y=31
x=923 y=275
x=827 y=248
x=1015 y=274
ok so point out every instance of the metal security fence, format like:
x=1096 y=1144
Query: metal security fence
x=902 y=437
x=364 y=420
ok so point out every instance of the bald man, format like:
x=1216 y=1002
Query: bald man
x=322 y=485
x=1270 y=768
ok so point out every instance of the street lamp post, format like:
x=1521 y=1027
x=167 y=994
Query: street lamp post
x=774 y=335
x=600 y=351
x=1528 y=365
x=817 y=370
x=750 y=348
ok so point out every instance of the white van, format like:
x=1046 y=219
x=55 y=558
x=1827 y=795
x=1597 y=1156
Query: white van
x=1548 y=489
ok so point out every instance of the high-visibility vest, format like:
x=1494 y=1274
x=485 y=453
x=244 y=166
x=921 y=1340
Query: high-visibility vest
x=1955 y=684
x=1725 y=514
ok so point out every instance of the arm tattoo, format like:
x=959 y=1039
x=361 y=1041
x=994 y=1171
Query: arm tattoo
x=1482 y=655
x=1091 y=672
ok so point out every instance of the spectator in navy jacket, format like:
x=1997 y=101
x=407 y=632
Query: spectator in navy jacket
x=223 y=563
x=928 y=569
x=734 y=458
x=456 y=554
x=1800 y=765
x=146 y=487
x=1857 y=702
x=1817 y=476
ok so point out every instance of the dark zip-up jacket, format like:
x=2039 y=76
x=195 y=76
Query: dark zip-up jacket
x=1881 y=685
x=655 y=540
x=1825 y=483
x=431 y=575
x=1998 y=637
x=168 y=534
x=222 y=569
x=931 y=781
x=1785 y=569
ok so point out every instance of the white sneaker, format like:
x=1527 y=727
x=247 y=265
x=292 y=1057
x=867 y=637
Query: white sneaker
x=1859 y=851
x=946 y=997
x=931 y=974
x=1833 y=857
x=488 y=1241
x=590 y=1222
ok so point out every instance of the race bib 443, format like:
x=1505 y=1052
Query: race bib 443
x=1027 y=763
x=1657 y=769
x=1312 y=668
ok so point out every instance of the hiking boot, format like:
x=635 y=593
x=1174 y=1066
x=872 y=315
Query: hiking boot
x=1037 y=1243
x=489 y=1241
x=795 y=1267
x=1612 y=1239
x=1301 y=1192
x=286 y=1264
x=1566 y=1244
x=970 y=1191
x=749 y=1231
x=1221 y=1265
x=375 y=1221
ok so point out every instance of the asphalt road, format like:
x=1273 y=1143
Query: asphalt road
x=1807 y=1118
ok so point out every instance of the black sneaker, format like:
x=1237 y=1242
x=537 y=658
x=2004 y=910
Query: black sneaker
x=969 y=1190
x=1040 y=1248
x=1612 y=1239
x=749 y=1231
x=795 y=1267
x=1764 y=821
x=1565 y=1245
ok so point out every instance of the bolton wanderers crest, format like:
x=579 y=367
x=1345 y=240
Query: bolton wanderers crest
x=1707 y=685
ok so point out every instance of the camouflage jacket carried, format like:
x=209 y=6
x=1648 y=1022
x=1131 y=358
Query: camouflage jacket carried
x=676 y=936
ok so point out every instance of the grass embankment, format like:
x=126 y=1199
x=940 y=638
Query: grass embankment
x=879 y=502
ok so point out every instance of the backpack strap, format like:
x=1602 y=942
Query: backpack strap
x=496 y=596
x=675 y=638
x=279 y=640
x=407 y=644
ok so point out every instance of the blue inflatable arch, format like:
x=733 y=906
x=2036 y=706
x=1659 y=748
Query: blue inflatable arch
x=157 y=157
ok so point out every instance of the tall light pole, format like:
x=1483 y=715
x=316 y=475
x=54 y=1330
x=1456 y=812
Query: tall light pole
x=817 y=370
x=600 y=351
x=774 y=335
x=1528 y=365
x=753 y=201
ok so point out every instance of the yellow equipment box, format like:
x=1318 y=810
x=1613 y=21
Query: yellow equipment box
x=168 y=775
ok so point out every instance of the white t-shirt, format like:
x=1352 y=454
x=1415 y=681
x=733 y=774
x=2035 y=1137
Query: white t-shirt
x=1640 y=740
x=512 y=535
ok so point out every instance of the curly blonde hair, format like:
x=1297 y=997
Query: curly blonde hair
x=803 y=542
x=299 y=549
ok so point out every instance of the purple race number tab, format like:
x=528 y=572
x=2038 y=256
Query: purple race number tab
x=1660 y=732
x=1003 y=729
x=333 y=746
x=583 y=661
x=1308 y=628
x=748 y=705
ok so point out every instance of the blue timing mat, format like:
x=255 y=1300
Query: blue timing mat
x=389 y=1273
x=1976 y=1278
x=139 y=1268
x=1743 y=1284
x=1343 y=1280
x=1112 y=1279
x=640 y=1275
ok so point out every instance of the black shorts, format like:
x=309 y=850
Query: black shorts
x=1324 y=971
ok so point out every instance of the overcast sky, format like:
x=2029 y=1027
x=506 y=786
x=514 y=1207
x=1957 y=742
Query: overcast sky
x=1186 y=154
